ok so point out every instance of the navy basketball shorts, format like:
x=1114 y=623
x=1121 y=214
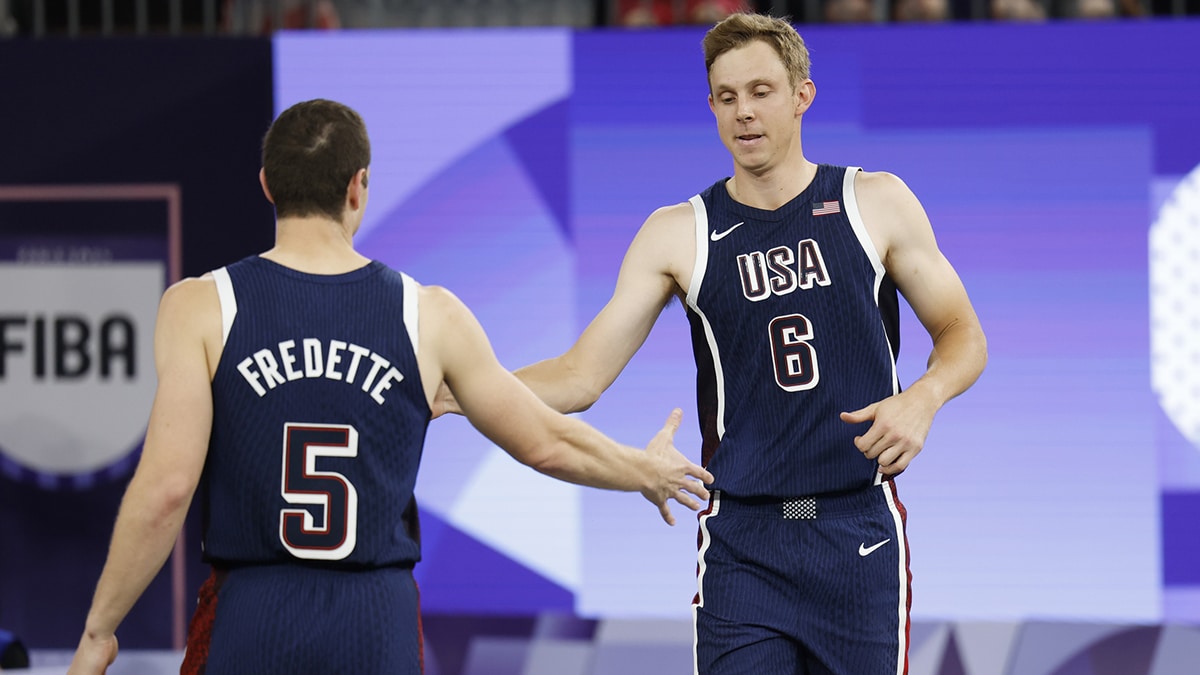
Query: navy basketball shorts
x=807 y=586
x=292 y=619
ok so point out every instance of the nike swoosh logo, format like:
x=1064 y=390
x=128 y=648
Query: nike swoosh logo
x=718 y=236
x=864 y=551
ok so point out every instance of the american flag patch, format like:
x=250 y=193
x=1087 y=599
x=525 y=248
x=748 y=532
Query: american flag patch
x=826 y=208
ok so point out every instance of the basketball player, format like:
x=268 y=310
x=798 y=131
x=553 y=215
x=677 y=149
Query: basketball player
x=789 y=271
x=295 y=388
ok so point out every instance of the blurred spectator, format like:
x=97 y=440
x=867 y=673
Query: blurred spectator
x=708 y=12
x=849 y=11
x=642 y=13
x=261 y=16
x=1092 y=9
x=921 y=10
x=1018 y=10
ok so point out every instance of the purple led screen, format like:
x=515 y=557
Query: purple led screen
x=514 y=166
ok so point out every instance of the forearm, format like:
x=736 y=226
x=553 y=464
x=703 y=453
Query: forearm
x=145 y=532
x=580 y=454
x=559 y=385
x=956 y=361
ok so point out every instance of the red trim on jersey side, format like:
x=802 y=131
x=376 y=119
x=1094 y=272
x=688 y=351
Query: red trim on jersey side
x=199 y=635
x=700 y=546
x=420 y=631
x=908 y=571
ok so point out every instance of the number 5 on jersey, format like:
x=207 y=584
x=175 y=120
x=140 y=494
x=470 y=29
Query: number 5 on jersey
x=325 y=496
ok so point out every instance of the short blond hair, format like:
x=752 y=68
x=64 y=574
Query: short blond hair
x=739 y=29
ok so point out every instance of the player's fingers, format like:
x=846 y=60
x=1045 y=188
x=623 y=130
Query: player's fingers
x=667 y=516
x=861 y=415
x=701 y=474
x=672 y=424
x=688 y=500
x=894 y=460
x=883 y=450
x=871 y=443
x=685 y=499
x=697 y=488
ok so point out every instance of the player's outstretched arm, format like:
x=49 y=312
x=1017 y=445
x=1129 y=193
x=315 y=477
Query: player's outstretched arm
x=159 y=494
x=901 y=231
x=661 y=252
x=454 y=346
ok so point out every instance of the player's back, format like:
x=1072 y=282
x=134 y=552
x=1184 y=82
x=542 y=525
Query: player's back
x=319 y=418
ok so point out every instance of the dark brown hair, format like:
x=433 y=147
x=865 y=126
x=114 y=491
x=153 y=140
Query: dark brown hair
x=309 y=155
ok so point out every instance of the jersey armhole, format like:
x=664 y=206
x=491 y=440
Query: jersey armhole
x=701 y=264
x=412 y=311
x=856 y=222
x=228 y=301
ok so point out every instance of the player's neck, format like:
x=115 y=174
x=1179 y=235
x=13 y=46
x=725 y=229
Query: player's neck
x=316 y=245
x=773 y=187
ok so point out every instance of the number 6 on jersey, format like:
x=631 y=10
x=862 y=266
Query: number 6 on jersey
x=328 y=494
x=795 y=359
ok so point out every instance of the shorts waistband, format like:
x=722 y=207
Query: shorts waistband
x=829 y=505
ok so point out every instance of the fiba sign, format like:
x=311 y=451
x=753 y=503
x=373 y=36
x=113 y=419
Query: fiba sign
x=76 y=362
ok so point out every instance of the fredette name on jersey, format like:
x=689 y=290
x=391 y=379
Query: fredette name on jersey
x=338 y=360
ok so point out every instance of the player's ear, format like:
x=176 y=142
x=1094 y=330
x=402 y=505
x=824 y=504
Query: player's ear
x=356 y=191
x=262 y=180
x=804 y=94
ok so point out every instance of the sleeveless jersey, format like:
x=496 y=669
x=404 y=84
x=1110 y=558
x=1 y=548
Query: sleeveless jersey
x=793 y=321
x=319 y=419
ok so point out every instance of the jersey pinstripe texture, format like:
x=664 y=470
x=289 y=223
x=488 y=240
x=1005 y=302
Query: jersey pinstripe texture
x=310 y=522
x=313 y=365
x=803 y=557
x=793 y=321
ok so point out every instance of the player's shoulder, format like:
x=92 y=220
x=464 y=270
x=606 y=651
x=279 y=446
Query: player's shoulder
x=191 y=292
x=190 y=306
x=439 y=303
x=880 y=185
x=671 y=218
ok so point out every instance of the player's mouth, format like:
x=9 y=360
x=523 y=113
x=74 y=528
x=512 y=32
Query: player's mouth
x=748 y=139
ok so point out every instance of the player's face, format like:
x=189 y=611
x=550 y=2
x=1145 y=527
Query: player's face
x=756 y=107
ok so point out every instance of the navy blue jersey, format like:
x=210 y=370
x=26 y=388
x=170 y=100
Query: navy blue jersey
x=794 y=320
x=319 y=418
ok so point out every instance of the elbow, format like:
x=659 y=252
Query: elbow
x=166 y=504
x=553 y=454
x=546 y=460
x=981 y=341
x=588 y=392
x=587 y=398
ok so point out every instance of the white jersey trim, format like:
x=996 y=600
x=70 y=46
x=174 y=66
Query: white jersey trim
x=412 y=311
x=705 y=539
x=228 y=301
x=701 y=265
x=868 y=246
x=902 y=556
x=693 y=293
x=860 y=228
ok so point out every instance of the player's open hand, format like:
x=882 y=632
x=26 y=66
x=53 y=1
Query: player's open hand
x=674 y=477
